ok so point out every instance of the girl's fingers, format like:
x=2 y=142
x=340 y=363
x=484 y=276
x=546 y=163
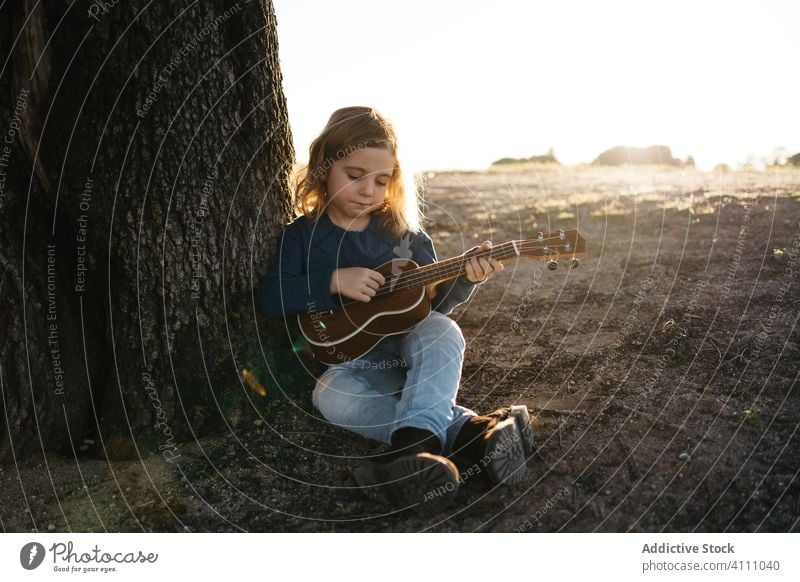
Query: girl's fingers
x=377 y=277
x=478 y=269
x=472 y=272
x=482 y=268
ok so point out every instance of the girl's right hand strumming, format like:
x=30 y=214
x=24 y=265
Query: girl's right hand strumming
x=356 y=283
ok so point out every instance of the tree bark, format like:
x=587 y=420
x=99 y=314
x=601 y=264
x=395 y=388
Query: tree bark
x=144 y=179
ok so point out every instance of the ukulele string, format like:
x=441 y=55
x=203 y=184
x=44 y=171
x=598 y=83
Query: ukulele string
x=416 y=277
x=455 y=266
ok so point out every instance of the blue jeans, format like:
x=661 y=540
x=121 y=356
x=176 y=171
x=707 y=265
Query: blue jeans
x=406 y=380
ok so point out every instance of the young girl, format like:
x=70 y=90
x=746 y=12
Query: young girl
x=357 y=214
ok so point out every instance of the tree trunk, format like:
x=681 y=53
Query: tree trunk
x=144 y=163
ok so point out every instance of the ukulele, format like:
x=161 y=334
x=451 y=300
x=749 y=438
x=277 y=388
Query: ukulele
x=340 y=335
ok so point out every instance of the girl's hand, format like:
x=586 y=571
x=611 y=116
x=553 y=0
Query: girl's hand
x=479 y=270
x=356 y=283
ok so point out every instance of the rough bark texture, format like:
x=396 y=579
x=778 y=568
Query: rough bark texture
x=143 y=186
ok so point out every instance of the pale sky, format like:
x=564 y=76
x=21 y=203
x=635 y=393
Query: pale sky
x=468 y=82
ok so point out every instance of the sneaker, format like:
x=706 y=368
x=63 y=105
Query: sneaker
x=499 y=442
x=522 y=417
x=411 y=474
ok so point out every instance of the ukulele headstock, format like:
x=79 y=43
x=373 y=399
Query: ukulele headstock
x=552 y=246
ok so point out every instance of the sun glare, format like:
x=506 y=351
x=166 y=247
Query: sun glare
x=467 y=83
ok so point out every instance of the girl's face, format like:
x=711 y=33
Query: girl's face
x=356 y=186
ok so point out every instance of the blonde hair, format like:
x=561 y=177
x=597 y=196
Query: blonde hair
x=351 y=129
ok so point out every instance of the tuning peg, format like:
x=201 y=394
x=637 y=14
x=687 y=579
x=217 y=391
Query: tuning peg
x=552 y=265
x=575 y=264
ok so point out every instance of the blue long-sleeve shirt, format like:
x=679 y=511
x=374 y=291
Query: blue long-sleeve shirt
x=299 y=277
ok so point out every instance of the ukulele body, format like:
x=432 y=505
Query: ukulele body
x=337 y=336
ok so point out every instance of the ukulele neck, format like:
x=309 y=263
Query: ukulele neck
x=451 y=268
x=545 y=247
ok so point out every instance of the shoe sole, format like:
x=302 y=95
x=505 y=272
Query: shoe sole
x=522 y=418
x=424 y=481
x=505 y=453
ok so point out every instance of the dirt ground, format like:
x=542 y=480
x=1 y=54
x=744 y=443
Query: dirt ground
x=663 y=373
